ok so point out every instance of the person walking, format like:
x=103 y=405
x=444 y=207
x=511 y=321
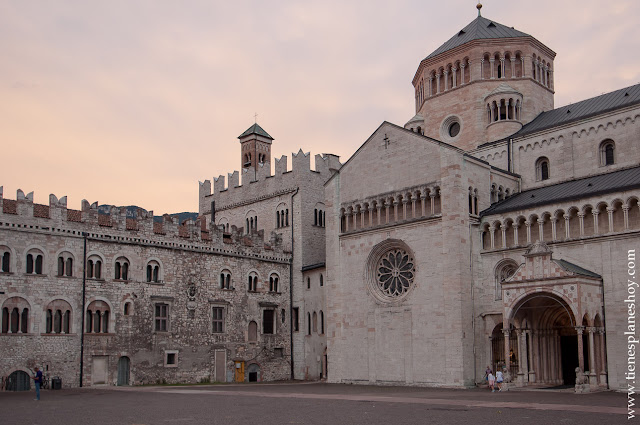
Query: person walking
x=37 y=379
x=499 y=379
x=491 y=379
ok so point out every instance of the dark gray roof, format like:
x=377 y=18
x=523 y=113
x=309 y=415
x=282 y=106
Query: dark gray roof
x=570 y=267
x=479 y=28
x=581 y=110
x=312 y=266
x=255 y=129
x=616 y=181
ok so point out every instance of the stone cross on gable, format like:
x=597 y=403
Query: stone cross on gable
x=386 y=141
x=255 y=118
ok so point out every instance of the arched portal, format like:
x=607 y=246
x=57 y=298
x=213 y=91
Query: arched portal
x=18 y=381
x=254 y=372
x=123 y=370
x=548 y=342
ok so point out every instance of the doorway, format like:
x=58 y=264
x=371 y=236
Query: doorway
x=123 y=371
x=18 y=381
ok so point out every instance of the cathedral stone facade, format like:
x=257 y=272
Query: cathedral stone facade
x=491 y=229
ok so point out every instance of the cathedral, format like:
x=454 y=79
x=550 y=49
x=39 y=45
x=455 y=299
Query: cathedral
x=492 y=229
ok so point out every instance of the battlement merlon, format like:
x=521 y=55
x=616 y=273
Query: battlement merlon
x=22 y=210
x=262 y=180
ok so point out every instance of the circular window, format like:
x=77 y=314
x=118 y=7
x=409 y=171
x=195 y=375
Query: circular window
x=395 y=273
x=390 y=271
x=450 y=128
x=454 y=129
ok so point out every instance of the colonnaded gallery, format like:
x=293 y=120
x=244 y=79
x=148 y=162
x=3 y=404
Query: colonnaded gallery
x=490 y=229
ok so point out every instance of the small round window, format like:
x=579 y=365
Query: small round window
x=450 y=128
x=454 y=129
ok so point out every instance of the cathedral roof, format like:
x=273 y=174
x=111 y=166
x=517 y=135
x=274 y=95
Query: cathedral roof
x=581 y=110
x=479 y=28
x=616 y=181
x=255 y=129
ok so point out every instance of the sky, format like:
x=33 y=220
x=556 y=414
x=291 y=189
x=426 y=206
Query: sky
x=132 y=102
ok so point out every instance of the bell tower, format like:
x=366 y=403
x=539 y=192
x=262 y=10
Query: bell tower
x=255 y=147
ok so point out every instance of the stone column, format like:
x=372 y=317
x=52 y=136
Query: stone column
x=595 y=222
x=446 y=80
x=491 y=64
x=515 y=235
x=502 y=68
x=579 y=330
x=520 y=362
x=355 y=219
x=430 y=86
x=379 y=209
x=346 y=221
x=386 y=210
x=507 y=360
x=528 y=224
x=454 y=69
x=513 y=67
x=567 y=231
x=395 y=211
x=593 y=378
x=540 y=228
x=413 y=205
x=438 y=82
x=462 y=67
x=554 y=237
x=610 y=211
x=503 y=228
x=522 y=65
x=432 y=195
x=370 y=215
x=603 y=359
x=492 y=231
x=423 y=199
x=404 y=208
x=581 y=219
x=625 y=210
x=482 y=69
x=531 y=367
x=362 y=214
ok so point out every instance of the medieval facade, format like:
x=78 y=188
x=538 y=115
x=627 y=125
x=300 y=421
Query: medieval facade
x=499 y=232
x=159 y=301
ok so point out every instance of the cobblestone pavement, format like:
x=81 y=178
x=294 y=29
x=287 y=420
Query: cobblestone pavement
x=309 y=403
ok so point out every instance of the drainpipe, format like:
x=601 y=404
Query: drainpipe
x=84 y=291
x=473 y=304
x=291 y=285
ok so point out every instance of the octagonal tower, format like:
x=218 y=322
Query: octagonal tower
x=483 y=84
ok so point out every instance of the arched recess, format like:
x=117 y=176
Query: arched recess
x=503 y=270
x=548 y=345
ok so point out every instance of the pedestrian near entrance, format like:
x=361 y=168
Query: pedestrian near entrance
x=499 y=379
x=486 y=373
x=37 y=379
x=491 y=379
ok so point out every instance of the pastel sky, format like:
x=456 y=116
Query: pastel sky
x=133 y=101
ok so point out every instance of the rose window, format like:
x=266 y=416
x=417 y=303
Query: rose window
x=395 y=272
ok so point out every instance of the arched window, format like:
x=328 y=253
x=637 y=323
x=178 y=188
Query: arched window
x=286 y=221
x=127 y=308
x=308 y=323
x=97 y=317
x=58 y=317
x=278 y=219
x=121 y=269
x=321 y=322
x=542 y=168
x=321 y=280
x=308 y=283
x=315 y=322
x=503 y=271
x=225 y=279
x=35 y=259
x=94 y=267
x=153 y=271
x=5 y=267
x=253 y=281
x=15 y=315
x=273 y=282
x=315 y=217
x=607 y=151
x=65 y=264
